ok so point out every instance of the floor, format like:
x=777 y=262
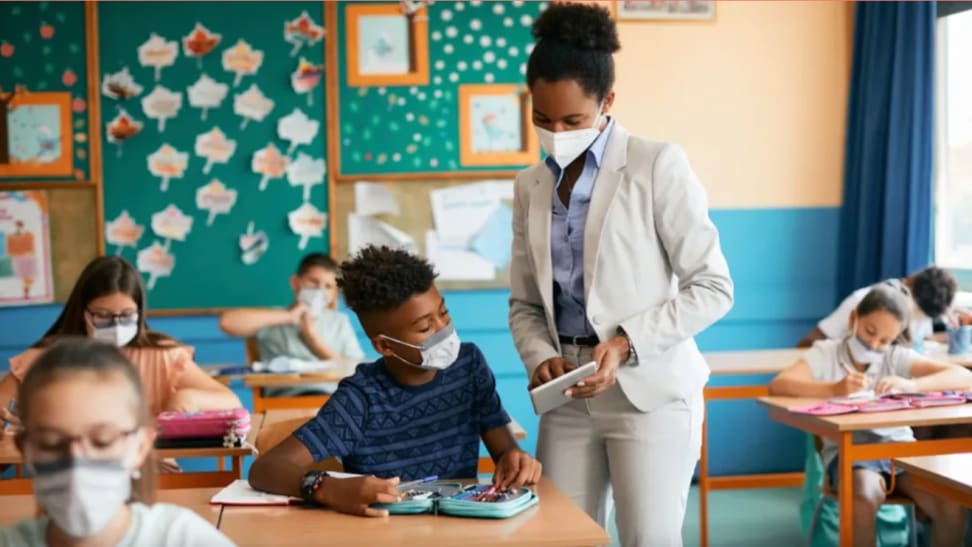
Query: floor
x=744 y=518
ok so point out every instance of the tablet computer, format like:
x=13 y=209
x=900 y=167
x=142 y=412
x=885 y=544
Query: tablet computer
x=551 y=395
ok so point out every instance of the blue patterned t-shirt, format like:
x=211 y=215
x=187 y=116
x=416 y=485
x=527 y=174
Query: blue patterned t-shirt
x=378 y=427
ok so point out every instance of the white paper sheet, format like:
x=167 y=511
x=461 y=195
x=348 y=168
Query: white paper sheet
x=372 y=198
x=364 y=231
x=461 y=211
x=456 y=263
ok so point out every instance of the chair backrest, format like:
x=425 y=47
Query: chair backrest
x=252 y=350
x=274 y=433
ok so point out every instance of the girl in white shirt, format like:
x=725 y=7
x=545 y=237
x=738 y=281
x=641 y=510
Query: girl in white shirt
x=869 y=358
x=87 y=440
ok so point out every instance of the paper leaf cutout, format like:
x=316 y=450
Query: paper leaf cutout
x=306 y=78
x=216 y=198
x=171 y=223
x=199 y=43
x=168 y=163
x=242 y=60
x=122 y=127
x=162 y=104
x=215 y=147
x=158 y=53
x=297 y=129
x=157 y=261
x=302 y=31
x=206 y=93
x=307 y=222
x=253 y=245
x=120 y=85
x=252 y=105
x=306 y=172
x=123 y=232
x=270 y=163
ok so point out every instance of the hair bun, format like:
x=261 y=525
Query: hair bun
x=583 y=26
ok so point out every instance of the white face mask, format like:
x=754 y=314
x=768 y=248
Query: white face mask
x=438 y=351
x=861 y=352
x=117 y=335
x=82 y=495
x=565 y=146
x=315 y=299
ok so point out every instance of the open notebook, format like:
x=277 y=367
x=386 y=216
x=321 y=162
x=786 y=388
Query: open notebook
x=239 y=492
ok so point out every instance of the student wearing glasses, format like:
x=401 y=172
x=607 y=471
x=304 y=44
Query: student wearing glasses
x=108 y=304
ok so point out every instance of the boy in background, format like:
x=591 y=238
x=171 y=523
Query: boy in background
x=311 y=329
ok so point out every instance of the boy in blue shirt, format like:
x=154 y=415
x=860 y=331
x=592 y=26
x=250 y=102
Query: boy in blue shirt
x=420 y=410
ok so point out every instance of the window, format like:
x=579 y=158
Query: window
x=953 y=162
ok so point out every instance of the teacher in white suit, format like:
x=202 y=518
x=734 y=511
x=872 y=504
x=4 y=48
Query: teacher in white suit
x=615 y=260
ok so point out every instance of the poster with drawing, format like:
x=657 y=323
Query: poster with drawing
x=25 y=249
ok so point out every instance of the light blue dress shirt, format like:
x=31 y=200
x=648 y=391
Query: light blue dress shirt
x=567 y=240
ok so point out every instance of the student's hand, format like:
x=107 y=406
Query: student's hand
x=297 y=313
x=355 y=495
x=852 y=383
x=308 y=327
x=516 y=469
x=550 y=369
x=608 y=355
x=182 y=401
x=13 y=422
x=895 y=384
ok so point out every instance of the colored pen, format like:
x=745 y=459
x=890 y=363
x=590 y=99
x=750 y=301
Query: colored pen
x=10 y=408
x=426 y=480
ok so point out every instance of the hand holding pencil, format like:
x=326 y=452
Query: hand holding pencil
x=852 y=383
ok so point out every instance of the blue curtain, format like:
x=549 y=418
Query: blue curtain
x=886 y=218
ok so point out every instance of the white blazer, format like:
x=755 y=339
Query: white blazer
x=652 y=266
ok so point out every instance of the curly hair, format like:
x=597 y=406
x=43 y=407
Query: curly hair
x=383 y=278
x=575 y=41
x=933 y=290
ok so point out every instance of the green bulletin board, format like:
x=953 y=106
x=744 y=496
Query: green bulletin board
x=208 y=271
x=42 y=48
x=415 y=129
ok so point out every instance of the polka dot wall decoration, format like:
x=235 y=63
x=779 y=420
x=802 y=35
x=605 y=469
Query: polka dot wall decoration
x=469 y=43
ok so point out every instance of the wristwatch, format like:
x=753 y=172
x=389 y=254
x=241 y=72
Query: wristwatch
x=310 y=484
x=632 y=354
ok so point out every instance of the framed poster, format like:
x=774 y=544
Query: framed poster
x=653 y=10
x=36 y=139
x=494 y=126
x=386 y=45
x=25 y=249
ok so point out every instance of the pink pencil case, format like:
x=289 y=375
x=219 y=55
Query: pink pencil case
x=824 y=409
x=231 y=424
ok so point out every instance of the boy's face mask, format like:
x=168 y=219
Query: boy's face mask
x=438 y=351
x=315 y=299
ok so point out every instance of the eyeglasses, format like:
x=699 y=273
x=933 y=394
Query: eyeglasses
x=45 y=445
x=107 y=319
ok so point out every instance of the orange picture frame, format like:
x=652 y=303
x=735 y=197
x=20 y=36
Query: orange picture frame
x=64 y=164
x=418 y=45
x=469 y=155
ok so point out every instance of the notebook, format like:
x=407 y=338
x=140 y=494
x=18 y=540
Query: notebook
x=239 y=492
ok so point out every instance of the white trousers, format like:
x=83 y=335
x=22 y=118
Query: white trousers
x=590 y=447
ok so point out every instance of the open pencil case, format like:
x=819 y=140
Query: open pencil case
x=893 y=401
x=458 y=500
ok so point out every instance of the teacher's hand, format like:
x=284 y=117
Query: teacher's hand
x=550 y=369
x=608 y=355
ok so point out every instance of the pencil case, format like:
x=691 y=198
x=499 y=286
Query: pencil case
x=455 y=499
x=232 y=425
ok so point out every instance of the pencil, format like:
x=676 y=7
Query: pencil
x=10 y=409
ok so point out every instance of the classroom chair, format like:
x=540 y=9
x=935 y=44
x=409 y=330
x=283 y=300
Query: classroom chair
x=273 y=434
x=829 y=493
x=262 y=404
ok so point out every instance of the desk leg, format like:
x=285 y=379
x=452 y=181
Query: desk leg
x=237 y=466
x=704 y=486
x=845 y=490
x=258 y=400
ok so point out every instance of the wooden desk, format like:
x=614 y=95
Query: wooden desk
x=555 y=521
x=840 y=428
x=16 y=508
x=948 y=476
x=740 y=363
x=221 y=477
